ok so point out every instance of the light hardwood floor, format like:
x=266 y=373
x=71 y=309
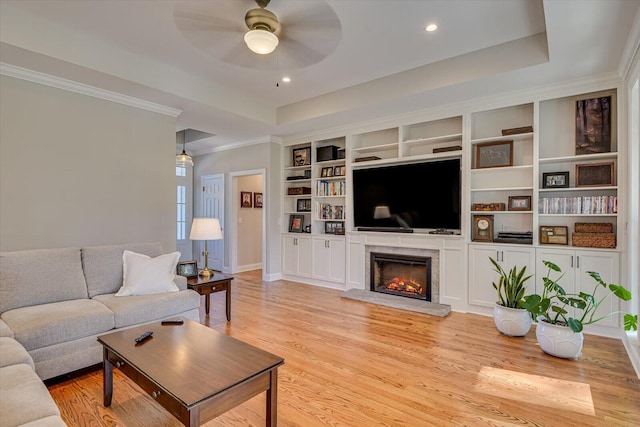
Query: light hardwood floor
x=348 y=363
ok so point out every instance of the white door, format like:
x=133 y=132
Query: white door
x=607 y=265
x=213 y=207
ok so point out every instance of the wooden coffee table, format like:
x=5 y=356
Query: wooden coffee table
x=192 y=371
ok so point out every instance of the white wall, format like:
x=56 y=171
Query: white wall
x=249 y=224
x=78 y=171
x=265 y=156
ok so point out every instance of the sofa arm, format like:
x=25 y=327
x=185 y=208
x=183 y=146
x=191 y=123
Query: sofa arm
x=5 y=330
x=180 y=281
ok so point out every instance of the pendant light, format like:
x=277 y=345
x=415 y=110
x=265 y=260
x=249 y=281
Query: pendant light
x=183 y=159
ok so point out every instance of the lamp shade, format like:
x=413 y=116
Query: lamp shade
x=205 y=229
x=184 y=159
x=261 y=41
x=381 y=212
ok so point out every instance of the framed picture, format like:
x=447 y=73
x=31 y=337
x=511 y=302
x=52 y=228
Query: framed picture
x=187 y=269
x=303 y=205
x=482 y=228
x=338 y=171
x=595 y=174
x=333 y=227
x=301 y=156
x=257 y=200
x=245 y=199
x=296 y=223
x=554 y=235
x=593 y=125
x=494 y=154
x=519 y=203
x=555 y=179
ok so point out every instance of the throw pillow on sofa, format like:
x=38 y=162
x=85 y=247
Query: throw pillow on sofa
x=144 y=275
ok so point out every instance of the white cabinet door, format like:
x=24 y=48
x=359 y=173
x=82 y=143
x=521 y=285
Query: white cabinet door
x=337 y=260
x=296 y=252
x=304 y=256
x=329 y=259
x=607 y=265
x=481 y=274
x=566 y=260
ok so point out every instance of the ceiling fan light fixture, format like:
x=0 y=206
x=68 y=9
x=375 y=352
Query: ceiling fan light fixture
x=261 y=41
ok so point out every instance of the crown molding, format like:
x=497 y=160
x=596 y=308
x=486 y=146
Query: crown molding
x=83 y=89
x=232 y=146
x=631 y=48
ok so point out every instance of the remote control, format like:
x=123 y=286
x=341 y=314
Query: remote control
x=172 y=322
x=143 y=337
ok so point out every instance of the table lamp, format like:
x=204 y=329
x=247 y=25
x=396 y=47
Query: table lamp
x=206 y=229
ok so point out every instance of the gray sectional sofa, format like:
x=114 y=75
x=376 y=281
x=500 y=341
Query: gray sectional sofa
x=53 y=305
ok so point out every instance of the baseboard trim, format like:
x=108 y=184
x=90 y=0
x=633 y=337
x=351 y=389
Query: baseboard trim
x=632 y=346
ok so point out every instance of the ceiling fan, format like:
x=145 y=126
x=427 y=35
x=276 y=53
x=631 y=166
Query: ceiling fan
x=304 y=32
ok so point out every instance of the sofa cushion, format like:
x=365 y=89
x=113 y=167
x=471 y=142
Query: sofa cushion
x=48 y=324
x=144 y=275
x=13 y=353
x=23 y=396
x=40 y=276
x=136 y=309
x=103 y=265
x=5 y=330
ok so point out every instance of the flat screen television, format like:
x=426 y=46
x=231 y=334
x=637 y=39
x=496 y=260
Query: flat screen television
x=406 y=197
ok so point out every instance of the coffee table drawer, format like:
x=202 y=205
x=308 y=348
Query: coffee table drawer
x=166 y=400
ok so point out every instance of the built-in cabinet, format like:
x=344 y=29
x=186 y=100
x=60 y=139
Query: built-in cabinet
x=329 y=259
x=574 y=265
x=482 y=274
x=296 y=255
x=541 y=136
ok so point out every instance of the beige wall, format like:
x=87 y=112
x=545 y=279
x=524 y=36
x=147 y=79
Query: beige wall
x=260 y=156
x=77 y=171
x=249 y=224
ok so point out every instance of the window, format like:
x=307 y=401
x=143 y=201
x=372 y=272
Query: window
x=182 y=212
x=181 y=171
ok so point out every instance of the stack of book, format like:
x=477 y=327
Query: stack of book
x=578 y=205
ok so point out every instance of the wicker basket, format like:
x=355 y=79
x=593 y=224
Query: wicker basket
x=594 y=240
x=593 y=227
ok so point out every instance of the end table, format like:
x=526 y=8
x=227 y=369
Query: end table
x=207 y=285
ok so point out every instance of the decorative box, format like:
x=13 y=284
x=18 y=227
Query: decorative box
x=594 y=240
x=488 y=207
x=294 y=191
x=323 y=154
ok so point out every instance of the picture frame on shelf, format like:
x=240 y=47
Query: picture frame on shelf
x=301 y=156
x=245 y=199
x=593 y=125
x=555 y=179
x=296 y=223
x=187 y=269
x=257 y=200
x=338 y=171
x=494 y=154
x=595 y=174
x=554 y=235
x=330 y=227
x=482 y=228
x=303 y=205
x=519 y=203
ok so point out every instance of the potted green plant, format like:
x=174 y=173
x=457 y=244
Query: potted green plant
x=560 y=334
x=509 y=313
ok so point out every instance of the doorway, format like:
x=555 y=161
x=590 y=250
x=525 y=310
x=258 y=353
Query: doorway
x=247 y=227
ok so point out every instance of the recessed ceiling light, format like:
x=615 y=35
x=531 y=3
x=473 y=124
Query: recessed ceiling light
x=431 y=27
x=286 y=79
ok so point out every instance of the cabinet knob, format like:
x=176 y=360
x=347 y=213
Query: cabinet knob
x=119 y=364
x=155 y=394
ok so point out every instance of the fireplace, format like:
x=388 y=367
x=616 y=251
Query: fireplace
x=404 y=275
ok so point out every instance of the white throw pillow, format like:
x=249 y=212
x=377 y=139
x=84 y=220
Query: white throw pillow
x=144 y=275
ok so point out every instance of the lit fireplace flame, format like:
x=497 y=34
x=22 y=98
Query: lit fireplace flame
x=410 y=286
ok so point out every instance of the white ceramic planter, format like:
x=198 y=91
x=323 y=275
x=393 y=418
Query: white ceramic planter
x=513 y=322
x=559 y=341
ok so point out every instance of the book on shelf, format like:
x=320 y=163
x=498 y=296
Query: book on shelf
x=578 y=205
x=327 y=211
